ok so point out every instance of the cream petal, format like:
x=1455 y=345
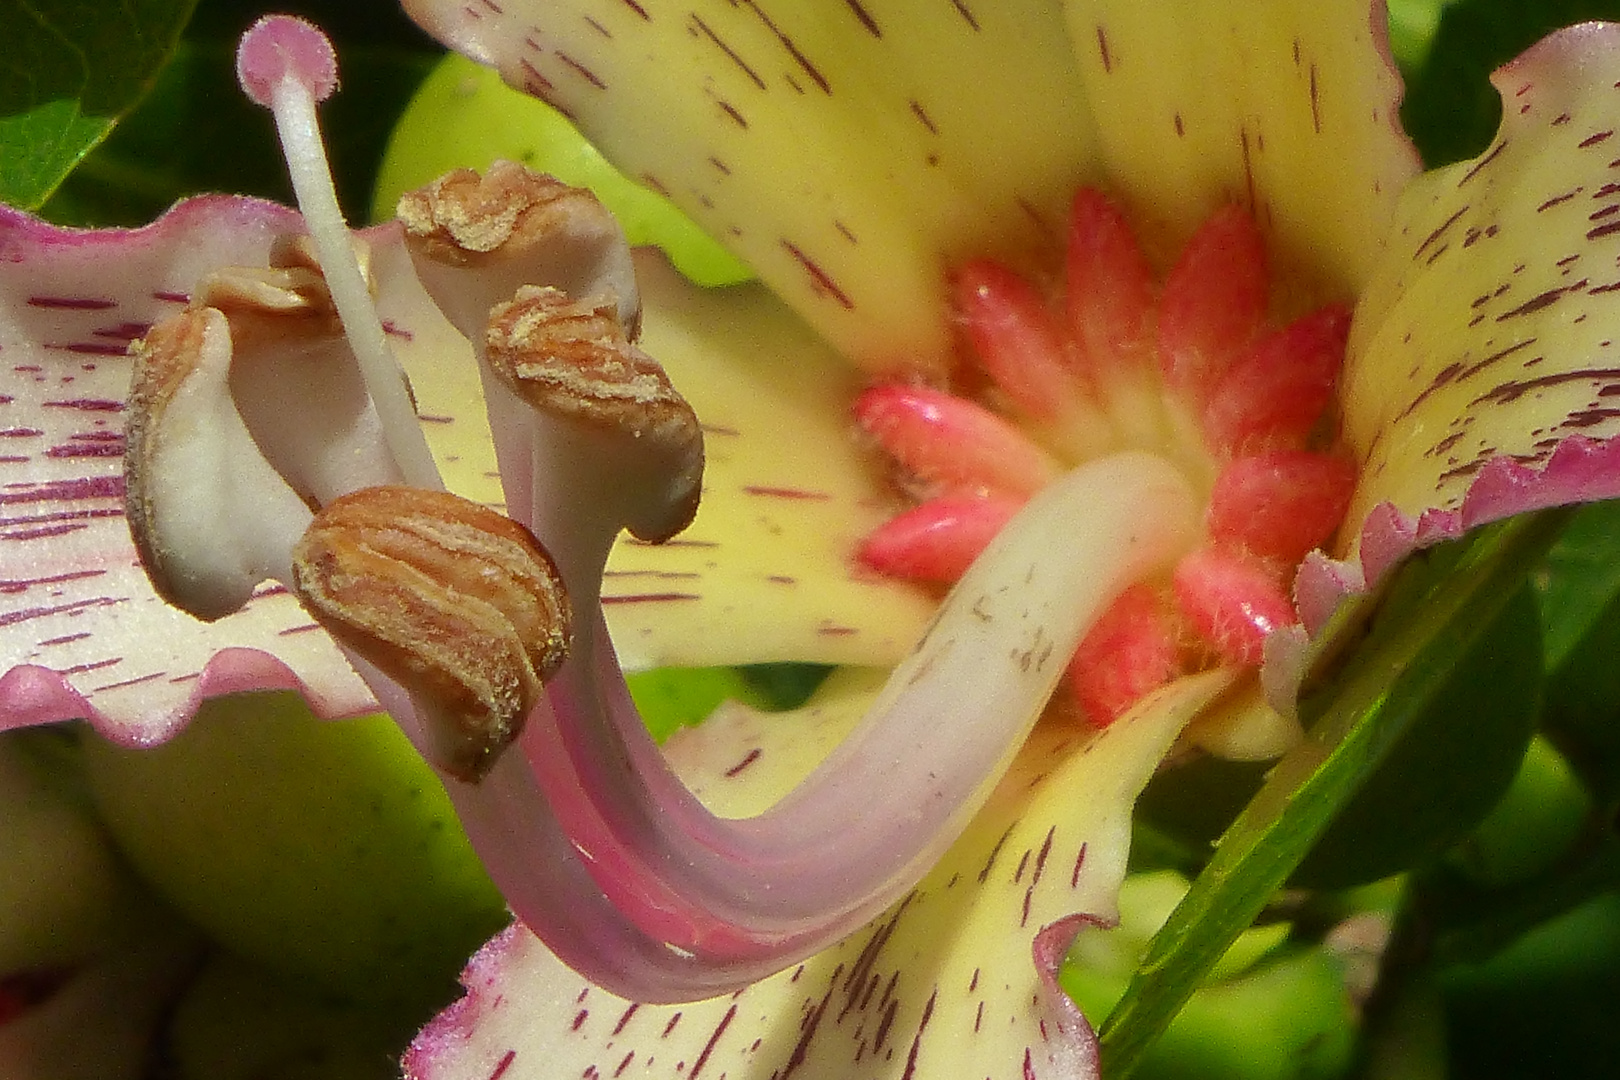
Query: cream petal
x=1486 y=338
x=764 y=573
x=81 y=631
x=82 y=634
x=848 y=152
x=1288 y=109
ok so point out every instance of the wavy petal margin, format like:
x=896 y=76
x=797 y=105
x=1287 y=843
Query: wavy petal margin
x=956 y=980
x=848 y=152
x=81 y=632
x=1491 y=328
x=1289 y=109
x=1483 y=374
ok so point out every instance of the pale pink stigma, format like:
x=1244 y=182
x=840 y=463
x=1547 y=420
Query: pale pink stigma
x=287 y=66
x=278 y=47
x=1191 y=372
x=952 y=444
x=1231 y=602
x=938 y=540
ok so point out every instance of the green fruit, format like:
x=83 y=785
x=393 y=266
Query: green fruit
x=238 y=1021
x=325 y=850
x=66 y=894
x=463 y=116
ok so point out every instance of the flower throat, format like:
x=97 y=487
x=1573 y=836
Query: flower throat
x=1190 y=369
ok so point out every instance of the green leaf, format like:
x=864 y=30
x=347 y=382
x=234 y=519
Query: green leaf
x=1545 y=1006
x=1449 y=620
x=71 y=69
x=1580 y=605
x=1451 y=111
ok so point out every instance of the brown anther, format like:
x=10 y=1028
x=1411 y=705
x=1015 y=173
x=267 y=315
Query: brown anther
x=190 y=467
x=463 y=215
x=164 y=359
x=287 y=298
x=516 y=226
x=457 y=603
x=571 y=359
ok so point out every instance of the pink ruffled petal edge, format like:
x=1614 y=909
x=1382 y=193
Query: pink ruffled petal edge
x=82 y=634
x=1580 y=470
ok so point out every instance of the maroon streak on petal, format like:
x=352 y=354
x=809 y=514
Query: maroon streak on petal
x=783 y=492
x=71 y=591
x=649 y=598
x=71 y=303
x=87 y=404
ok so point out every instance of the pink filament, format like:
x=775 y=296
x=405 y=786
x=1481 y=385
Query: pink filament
x=951 y=443
x=1231 y=602
x=1214 y=301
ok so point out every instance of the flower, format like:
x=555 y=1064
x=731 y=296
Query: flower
x=831 y=288
x=248 y=426
x=974 y=145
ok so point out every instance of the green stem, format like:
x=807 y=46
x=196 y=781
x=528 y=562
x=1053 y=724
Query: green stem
x=1357 y=729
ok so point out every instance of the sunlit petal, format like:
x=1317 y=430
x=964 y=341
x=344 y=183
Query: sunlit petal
x=847 y=151
x=1286 y=108
x=1487 y=330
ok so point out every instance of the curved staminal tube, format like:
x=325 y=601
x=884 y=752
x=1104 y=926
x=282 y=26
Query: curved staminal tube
x=598 y=846
x=760 y=893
